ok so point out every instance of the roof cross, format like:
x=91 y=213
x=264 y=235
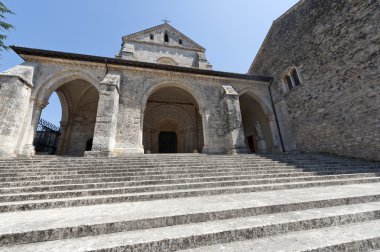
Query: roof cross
x=166 y=21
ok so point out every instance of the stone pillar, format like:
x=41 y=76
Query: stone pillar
x=205 y=127
x=16 y=85
x=28 y=149
x=275 y=136
x=62 y=138
x=149 y=135
x=106 y=117
x=195 y=139
x=235 y=142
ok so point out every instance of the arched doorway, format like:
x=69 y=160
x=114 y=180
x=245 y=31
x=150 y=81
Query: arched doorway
x=256 y=125
x=172 y=123
x=79 y=103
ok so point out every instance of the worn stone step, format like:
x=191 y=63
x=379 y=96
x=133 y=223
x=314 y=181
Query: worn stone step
x=84 y=161
x=132 y=197
x=183 y=167
x=363 y=236
x=52 y=224
x=221 y=159
x=135 y=181
x=153 y=179
x=139 y=179
x=179 y=174
x=10 y=197
x=234 y=180
x=194 y=235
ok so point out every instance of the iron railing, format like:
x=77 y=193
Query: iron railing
x=47 y=137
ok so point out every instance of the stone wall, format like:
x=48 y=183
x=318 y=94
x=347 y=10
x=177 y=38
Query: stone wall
x=335 y=47
x=151 y=53
x=73 y=80
x=82 y=129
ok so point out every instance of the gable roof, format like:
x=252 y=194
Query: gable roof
x=166 y=26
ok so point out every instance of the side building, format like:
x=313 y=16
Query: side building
x=324 y=57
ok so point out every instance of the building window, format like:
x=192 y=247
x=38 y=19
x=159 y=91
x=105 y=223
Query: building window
x=166 y=37
x=295 y=77
x=151 y=37
x=291 y=80
x=180 y=41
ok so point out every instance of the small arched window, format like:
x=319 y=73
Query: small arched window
x=151 y=37
x=291 y=80
x=166 y=37
x=295 y=77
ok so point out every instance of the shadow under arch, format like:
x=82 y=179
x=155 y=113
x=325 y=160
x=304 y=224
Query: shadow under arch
x=45 y=89
x=199 y=98
x=172 y=100
x=265 y=105
x=79 y=97
x=258 y=123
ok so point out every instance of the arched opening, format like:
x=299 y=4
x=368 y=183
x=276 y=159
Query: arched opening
x=172 y=122
x=167 y=61
x=79 y=104
x=256 y=125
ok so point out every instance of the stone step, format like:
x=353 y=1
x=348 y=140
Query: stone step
x=11 y=197
x=217 y=159
x=53 y=224
x=363 y=236
x=143 y=160
x=133 y=197
x=185 y=167
x=152 y=180
x=178 y=174
x=216 y=181
x=194 y=235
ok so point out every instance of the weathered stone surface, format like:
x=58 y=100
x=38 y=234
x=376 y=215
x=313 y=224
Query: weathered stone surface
x=335 y=47
x=150 y=46
x=172 y=202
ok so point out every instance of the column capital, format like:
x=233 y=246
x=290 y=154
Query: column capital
x=229 y=90
x=112 y=78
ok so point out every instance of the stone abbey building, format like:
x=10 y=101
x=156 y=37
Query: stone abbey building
x=313 y=87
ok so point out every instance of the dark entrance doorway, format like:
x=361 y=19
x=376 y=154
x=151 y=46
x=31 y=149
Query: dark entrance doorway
x=251 y=144
x=167 y=142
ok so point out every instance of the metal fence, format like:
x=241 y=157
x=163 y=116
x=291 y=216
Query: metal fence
x=47 y=137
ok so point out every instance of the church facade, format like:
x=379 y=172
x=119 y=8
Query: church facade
x=159 y=95
x=312 y=87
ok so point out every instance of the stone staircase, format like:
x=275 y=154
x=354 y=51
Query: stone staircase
x=191 y=202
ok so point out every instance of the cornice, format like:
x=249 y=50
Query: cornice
x=43 y=56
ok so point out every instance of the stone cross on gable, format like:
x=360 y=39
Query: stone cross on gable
x=166 y=21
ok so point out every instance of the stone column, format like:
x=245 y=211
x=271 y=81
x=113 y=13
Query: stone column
x=106 y=117
x=62 y=138
x=205 y=116
x=149 y=137
x=274 y=133
x=16 y=85
x=28 y=149
x=195 y=140
x=235 y=142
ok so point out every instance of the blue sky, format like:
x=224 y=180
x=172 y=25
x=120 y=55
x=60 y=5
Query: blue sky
x=230 y=30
